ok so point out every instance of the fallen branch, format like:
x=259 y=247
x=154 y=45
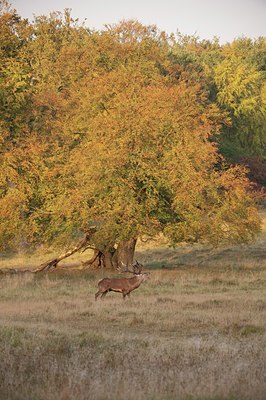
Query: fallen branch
x=52 y=264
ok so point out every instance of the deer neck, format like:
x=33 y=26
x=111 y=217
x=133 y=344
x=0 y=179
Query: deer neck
x=137 y=280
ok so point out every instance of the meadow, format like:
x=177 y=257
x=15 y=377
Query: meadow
x=195 y=330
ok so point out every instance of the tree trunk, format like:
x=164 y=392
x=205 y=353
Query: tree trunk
x=109 y=258
x=113 y=258
x=124 y=253
x=100 y=259
x=95 y=261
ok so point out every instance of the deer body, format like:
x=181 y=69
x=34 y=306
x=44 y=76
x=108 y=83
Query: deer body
x=122 y=285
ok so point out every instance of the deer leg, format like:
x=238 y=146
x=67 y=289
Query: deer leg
x=104 y=294
x=97 y=295
x=124 y=295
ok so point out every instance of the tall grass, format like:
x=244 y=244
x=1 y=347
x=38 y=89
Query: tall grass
x=195 y=330
x=186 y=334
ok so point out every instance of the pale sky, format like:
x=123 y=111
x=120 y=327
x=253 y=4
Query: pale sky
x=226 y=19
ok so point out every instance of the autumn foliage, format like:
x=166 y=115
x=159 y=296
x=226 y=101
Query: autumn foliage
x=119 y=130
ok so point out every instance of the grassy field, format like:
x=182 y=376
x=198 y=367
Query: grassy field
x=195 y=330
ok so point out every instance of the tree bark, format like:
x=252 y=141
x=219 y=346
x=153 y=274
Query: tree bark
x=109 y=258
x=124 y=253
x=51 y=264
x=113 y=258
x=94 y=262
x=100 y=259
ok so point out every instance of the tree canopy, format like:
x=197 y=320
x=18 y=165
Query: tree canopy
x=120 y=131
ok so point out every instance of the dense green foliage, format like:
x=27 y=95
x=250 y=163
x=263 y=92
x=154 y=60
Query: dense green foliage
x=121 y=129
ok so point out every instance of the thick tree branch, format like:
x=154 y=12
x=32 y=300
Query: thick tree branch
x=51 y=264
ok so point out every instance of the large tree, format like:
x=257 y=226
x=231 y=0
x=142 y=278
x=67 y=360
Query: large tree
x=117 y=145
x=241 y=91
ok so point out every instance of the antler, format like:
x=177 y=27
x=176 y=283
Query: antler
x=137 y=268
x=125 y=268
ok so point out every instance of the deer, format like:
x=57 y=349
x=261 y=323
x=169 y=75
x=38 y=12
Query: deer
x=123 y=285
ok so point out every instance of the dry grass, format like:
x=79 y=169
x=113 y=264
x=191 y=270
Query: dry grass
x=195 y=330
x=187 y=333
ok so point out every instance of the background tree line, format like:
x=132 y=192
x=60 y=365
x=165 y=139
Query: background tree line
x=126 y=133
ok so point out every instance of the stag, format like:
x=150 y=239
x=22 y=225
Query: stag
x=123 y=285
